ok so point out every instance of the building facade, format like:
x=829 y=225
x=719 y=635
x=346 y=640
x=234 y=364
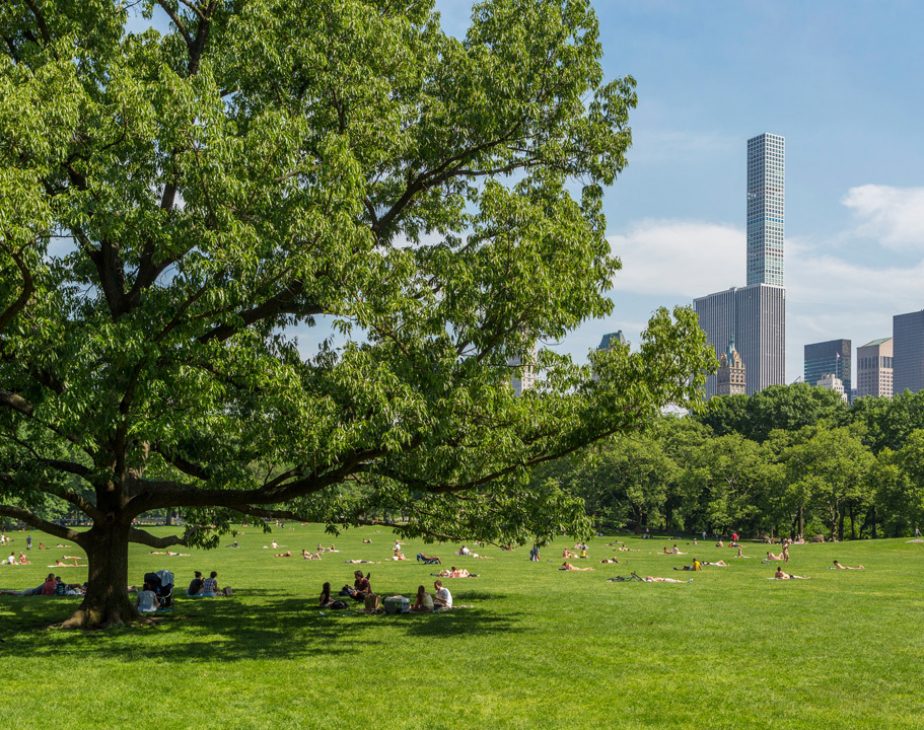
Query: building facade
x=833 y=356
x=874 y=369
x=908 y=352
x=829 y=381
x=753 y=318
x=766 y=209
x=612 y=339
x=731 y=378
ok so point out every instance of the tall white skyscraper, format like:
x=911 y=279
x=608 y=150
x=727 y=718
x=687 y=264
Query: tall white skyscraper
x=766 y=209
x=753 y=317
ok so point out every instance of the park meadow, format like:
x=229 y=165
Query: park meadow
x=527 y=646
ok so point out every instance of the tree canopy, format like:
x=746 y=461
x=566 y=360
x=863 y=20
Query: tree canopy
x=178 y=208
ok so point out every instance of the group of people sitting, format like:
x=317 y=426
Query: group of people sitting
x=200 y=587
x=53 y=585
x=361 y=591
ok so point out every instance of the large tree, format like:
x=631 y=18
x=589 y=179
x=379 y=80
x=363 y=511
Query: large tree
x=177 y=207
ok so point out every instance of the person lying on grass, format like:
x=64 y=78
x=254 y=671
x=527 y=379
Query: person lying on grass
x=716 y=563
x=424 y=558
x=455 y=572
x=610 y=561
x=442 y=601
x=286 y=554
x=310 y=556
x=568 y=566
x=780 y=575
x=840 y=566
x=423 y=602
x=633 y=576
x=773 y=557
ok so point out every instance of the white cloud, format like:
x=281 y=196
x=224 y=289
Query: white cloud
x=679 y=258
x=827 y=297
x=893 y=216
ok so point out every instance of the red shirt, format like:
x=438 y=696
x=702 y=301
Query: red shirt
x=48 y=587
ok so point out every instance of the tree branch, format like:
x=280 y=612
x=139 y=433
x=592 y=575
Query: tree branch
x=38 y=523
x=28 y=287
x=146 y=538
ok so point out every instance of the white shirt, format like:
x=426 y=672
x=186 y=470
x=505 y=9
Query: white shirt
x=147 y=602
x=445 y=597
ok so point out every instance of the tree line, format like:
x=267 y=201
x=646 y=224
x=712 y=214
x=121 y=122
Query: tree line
x=790 y=460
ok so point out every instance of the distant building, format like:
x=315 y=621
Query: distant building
x=908 y=349
x=611 y=339
x=754 y=318
x=524 y=372
x=731 y=377
x=766 y=208
x=874 y=368
x=829 y=381
x=833 y=356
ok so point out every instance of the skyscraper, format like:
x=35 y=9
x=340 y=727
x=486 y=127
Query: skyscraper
x=765 y=209
x=611 y=339
x=754 y=316
x=908 y=348
x=831 y=357
x=731 y=376
x=874 y=368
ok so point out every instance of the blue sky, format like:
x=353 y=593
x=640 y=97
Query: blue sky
x=842 y=82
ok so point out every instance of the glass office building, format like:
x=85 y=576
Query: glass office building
x=908 y=352
x=829 y=358
x=765 y=209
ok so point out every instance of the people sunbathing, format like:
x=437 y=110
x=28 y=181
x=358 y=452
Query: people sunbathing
x=633 y=576
x=840 y=566
x=357 y=562
x=610 y=561
x=781 y=575
x=773 y=557
x=399 y=556
x=428 y=559
x=716 y=563
x=286 y=554
x=455 y=572
x=695 y=566
x=568 y=566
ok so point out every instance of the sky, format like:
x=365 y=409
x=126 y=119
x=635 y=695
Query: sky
x=842 y=81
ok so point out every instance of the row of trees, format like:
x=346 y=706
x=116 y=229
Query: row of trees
x=790 y=460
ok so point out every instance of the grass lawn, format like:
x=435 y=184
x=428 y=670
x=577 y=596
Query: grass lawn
x=532 y=648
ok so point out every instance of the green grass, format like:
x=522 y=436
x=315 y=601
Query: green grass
x=537 y=648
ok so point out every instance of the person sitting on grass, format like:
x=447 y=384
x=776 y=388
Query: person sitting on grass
x=840 y=566
x=399 y=556
x=694 y=566
x=442 y=601
x=568 y=566
x=361 y=586
x=423 y=603
x=210 y=586
x=147 y=601
x=195 y=585
x=23 y=560
x=780 y=575
x=327 y=601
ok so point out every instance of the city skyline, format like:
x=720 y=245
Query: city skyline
x=854 y=173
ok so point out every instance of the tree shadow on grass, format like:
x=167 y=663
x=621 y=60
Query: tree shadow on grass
x=277 y=626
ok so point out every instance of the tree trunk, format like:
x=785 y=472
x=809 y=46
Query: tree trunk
x=106 y=602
